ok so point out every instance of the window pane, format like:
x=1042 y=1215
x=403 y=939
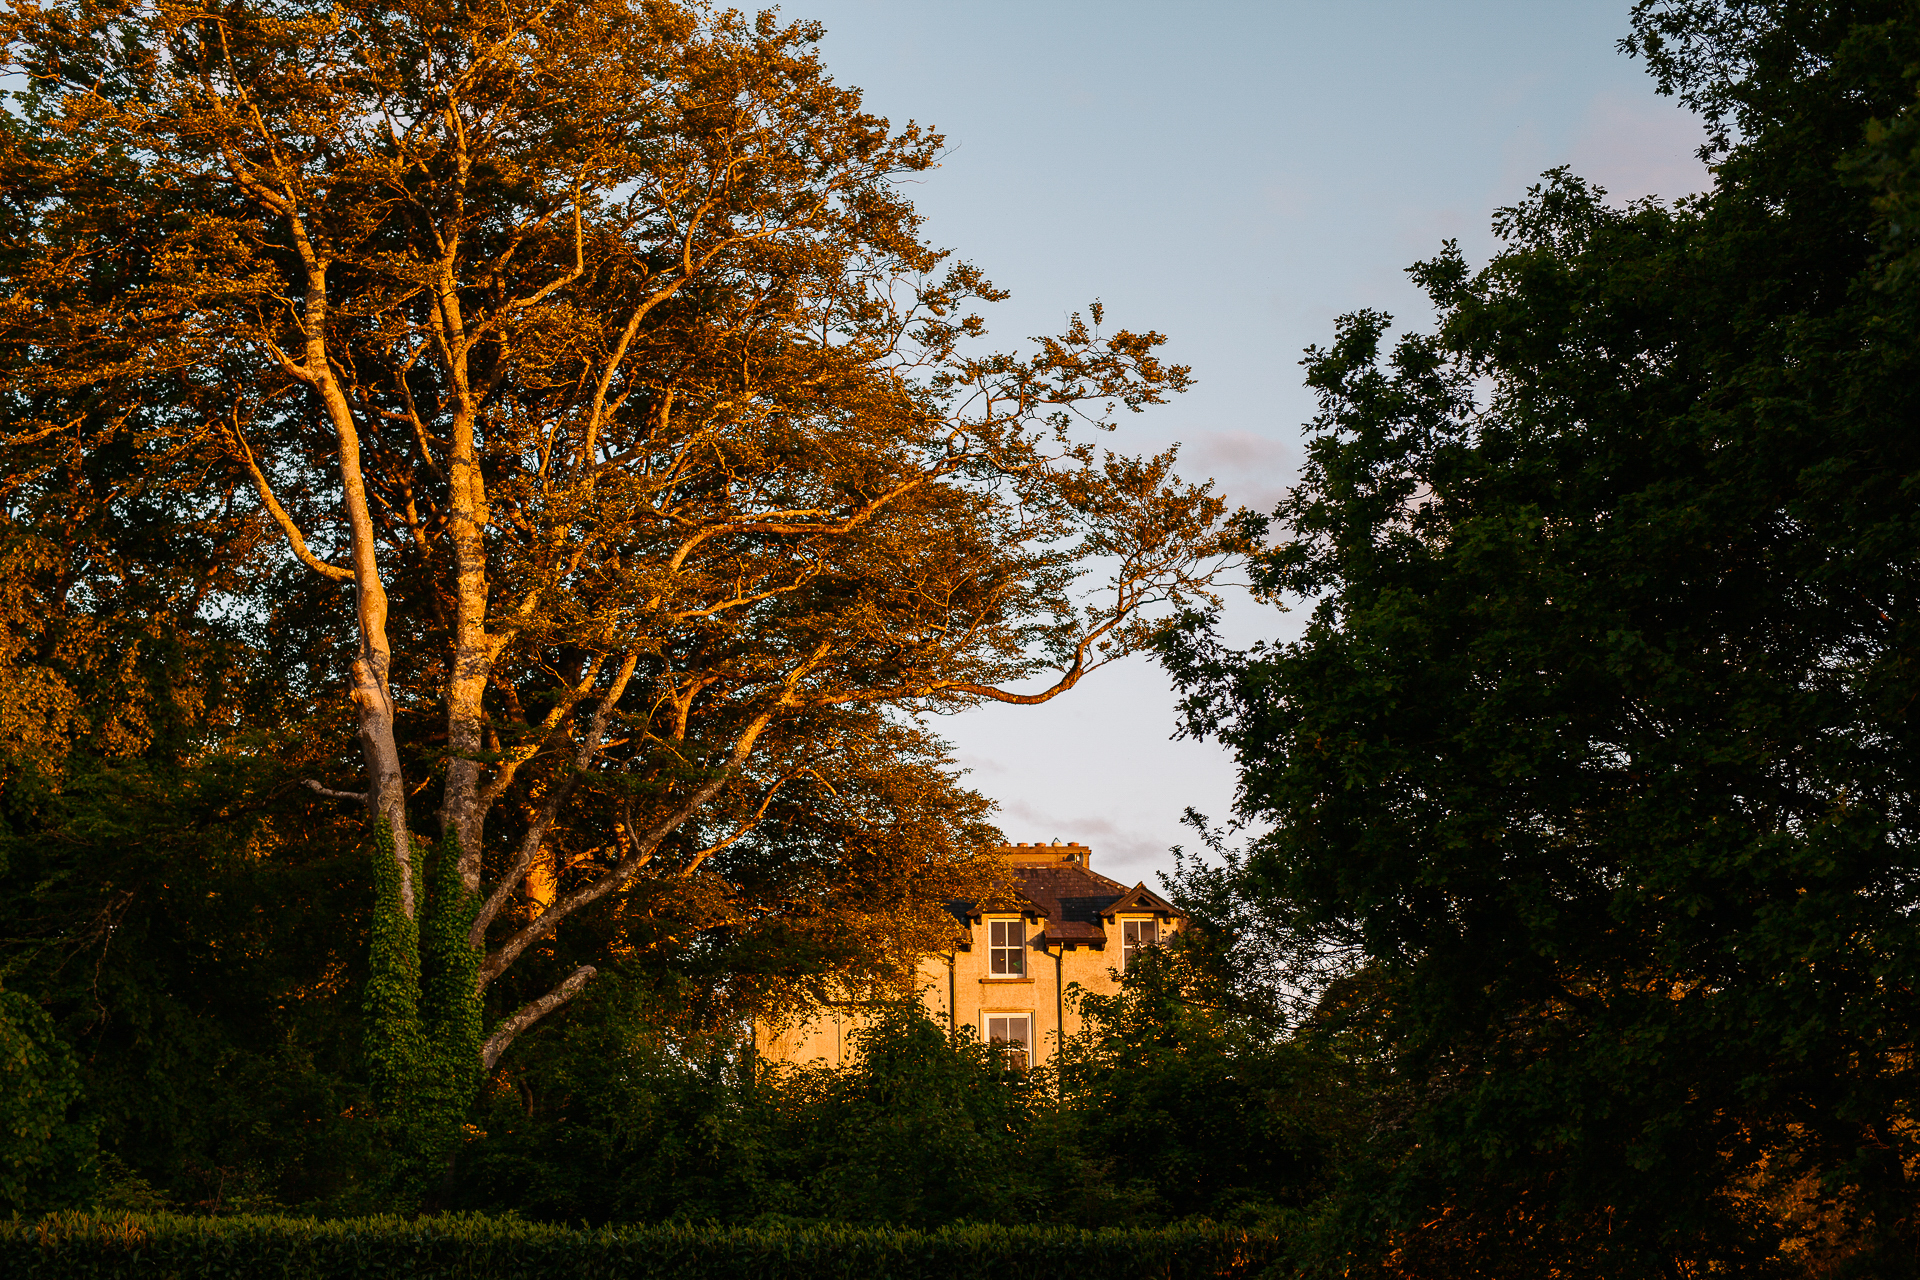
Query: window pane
x=999 y=960
x=1016 y=962
x=1016 y=933
x=1135 y=934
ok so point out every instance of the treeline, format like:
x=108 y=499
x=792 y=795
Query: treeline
x=1163 y=1110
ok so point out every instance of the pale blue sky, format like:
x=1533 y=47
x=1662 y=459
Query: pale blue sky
x=1235 y=175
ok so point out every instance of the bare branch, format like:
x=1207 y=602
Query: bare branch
x=331 y=794
x=531 y=1012
x=557 y=795
x=295 y=539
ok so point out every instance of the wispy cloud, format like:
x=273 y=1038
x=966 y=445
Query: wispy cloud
x=1637 y=146
x=1119 y=850
x=1253 y=470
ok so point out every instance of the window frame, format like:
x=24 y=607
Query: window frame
x=1130 y=949
x=1006 y=1054
x=1014 y=953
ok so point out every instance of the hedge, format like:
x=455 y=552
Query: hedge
x=85 y=1247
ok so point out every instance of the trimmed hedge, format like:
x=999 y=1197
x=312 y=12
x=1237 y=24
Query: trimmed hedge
x=85 y=1247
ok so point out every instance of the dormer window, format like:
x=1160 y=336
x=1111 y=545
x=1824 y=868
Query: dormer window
x=1135 y=936
x=1007 y=948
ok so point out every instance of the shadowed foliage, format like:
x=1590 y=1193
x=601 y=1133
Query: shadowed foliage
x=1600 y=742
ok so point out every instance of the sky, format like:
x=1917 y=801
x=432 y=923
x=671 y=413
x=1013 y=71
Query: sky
x=1236 y=176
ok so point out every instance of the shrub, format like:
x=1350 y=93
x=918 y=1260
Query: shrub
x=83 y=1247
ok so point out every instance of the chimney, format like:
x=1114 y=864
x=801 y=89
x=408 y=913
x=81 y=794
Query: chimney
x=1039 y=854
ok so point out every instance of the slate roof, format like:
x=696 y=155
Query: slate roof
x=1074 y=901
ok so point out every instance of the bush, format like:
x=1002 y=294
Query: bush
x=44 y=1155
x=1191 y=1110
x=919 y=1130
x=82 y=1247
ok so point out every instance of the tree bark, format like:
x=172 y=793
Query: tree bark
x=371 y=669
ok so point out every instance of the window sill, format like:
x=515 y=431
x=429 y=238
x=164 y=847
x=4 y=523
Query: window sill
x=992 y=981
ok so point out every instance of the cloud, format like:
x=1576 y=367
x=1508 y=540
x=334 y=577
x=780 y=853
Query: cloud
x=1288 y=198
x=1118 y=851
x=973 y=762
x=1636 y=146
x=1252 y=469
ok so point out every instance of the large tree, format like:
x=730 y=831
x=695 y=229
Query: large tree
x=1600 y=739
x=587 y=359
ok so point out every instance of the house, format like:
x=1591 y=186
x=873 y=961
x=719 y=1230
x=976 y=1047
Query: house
x=1059 y=924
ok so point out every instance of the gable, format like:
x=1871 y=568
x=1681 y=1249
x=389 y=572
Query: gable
x=1144 y=901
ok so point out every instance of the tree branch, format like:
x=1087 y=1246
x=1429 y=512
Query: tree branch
x=629 y=866
x=700 y=857
x=279 y=513
x=550 y=808
x=531 y=1012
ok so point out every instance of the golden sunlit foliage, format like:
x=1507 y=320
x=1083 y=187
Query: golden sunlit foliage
x=646 y=472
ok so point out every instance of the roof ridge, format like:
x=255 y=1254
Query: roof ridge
x=1071 y=869
x=1080 y=872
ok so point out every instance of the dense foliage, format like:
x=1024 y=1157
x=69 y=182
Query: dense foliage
x=81 y=1248
x=559 y=406
x=1163 y=1110
x=1599 y=746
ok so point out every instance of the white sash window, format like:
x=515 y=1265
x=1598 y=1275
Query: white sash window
x=1012 y=1035
x=1007 y=948
x=1134 y=935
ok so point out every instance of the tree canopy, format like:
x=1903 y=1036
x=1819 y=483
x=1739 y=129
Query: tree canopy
x=1599 y=742
x=560 y=401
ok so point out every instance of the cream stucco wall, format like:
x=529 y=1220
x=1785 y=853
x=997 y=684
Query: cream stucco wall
x=958 y=986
